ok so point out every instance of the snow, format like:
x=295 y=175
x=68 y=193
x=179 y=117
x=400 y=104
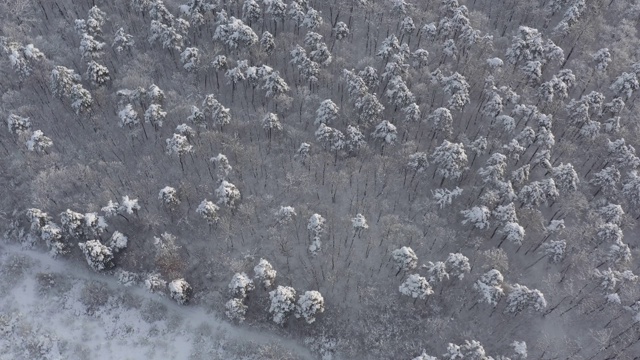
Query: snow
x=46 y=313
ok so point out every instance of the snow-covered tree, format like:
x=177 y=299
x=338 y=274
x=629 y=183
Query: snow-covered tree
x=285 y=214
x=609 y=279
x=90 y=48
x=155 y=283
x=117 y=242
x=359 y=224
x=81 y=99
x=513 y=232
x=490 y=287
x=179 y=145
x=275 y=85
x=619 y=252
x=451 y=159
x=72 y=223
x=209 y=211
x=437 y=271
x=190 y=58
x=283 y=303
x=97 y=74
x=18 y=125
x=228 y=194
x=128 y=205
x=234 y=34
x=341 y=30
x=444 y=197
x=404 y=259
x=312 y=19
x=609 y=232
x=385 y=132
x=505 y=213
x=240 y=285
x=251 y=11
x=330 y=138
x=155 y=115
x=62 y=80
x=236 y=309
x=418 y=162
x=168 y=196
x=93 y=225
x=122 y=41
x=398 y=92
x=566 y=177
x=316 y=226
x=309 y=305
x=98 y=256
x=416 y=286
x=180 y=291
x=625 y=84
x=425 y=356
x=478 y=216
x=555 y=249
x=128 y=116
x=265 y=273
x=457 y=264
x=521 y=297
x=326 y=113
x=270 y=122
x=494 y=169
x=38 y=142
x=267 y=42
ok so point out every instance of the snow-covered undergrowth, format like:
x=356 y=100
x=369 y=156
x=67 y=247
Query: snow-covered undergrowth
x=50 y=310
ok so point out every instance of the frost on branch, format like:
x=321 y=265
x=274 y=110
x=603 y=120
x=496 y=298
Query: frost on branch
x=309 y=305
x=416 y=286
x=520 y=297
x=180 y=291
x=405 y=259
x=228 y=194
x=209 y=211
x=236 y=309
x=490 y=287
x=283 y=303
x=98 y=256
x=265 y=273
x=478 y=216
x=240 y=285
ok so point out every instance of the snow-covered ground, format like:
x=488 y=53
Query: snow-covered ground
x=51 y=310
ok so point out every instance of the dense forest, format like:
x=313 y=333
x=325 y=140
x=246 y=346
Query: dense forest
x=367 y=179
